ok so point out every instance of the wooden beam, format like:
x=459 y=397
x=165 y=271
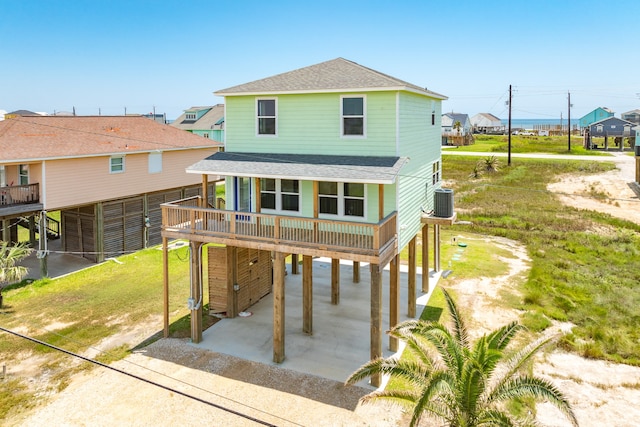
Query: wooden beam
x=165 y=282
x=380 y=201
x=411 y=297
x=307 y=295
x=196 y=308
x=425 y=258
x=205 y=191
x=394 y=299
x=335 y=281
x=356 y=272
x=278 y=307
x=232 y=281
x=294 y=264
x=376 y=318
x=436 y=247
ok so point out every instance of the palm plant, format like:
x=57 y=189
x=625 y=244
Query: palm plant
x=9 y=270
x=490 y=164
x=461 y=383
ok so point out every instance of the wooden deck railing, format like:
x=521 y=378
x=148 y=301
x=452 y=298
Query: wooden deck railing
x=186 y=217
x=19 y=194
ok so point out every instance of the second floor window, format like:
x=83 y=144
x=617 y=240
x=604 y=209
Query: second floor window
x=266 y=110
x=353 y=117
x=280 y=194
x=341 y=199
x=116 y=164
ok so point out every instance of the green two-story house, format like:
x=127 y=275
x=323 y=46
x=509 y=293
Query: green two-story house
x=334 y=160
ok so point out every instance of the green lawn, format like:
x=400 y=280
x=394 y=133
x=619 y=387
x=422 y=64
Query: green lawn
x=78 y=311
x=528 y=144
x=585 y=264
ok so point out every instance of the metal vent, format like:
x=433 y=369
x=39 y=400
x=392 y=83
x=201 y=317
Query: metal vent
x=443 y=202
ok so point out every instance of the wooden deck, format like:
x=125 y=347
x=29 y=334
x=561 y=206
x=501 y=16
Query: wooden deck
x=373 y=243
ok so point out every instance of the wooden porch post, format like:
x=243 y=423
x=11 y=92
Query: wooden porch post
x=376 y=317
x=394 y=299
x=307 y=294
x=425 y=258
x=278 y=307
x=196 y=295
x=232 y=279
x=294 y=264
x=32 y=230
x=356 y=272
x=165 y=281
x=205 y=191
x=411 y=297
x=335 y=281
x=436 y=247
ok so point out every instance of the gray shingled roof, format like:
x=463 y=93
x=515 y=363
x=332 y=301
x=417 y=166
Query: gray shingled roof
x=335 y=75
x=206 y=122
x=367 y=169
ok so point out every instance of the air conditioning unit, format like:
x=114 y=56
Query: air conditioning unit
x=443 y=202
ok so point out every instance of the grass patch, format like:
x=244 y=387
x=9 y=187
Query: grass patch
x=78 y=311
x=578 y=274
x=529 y=144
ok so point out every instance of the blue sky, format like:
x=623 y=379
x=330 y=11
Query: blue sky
x=104 y=56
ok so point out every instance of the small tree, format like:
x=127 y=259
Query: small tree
x=457 y=126
x=461 y=383
x=9 y=257
x=490 y=164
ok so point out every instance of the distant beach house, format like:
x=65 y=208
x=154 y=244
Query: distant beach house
x=456 y=129
x=207 y=122
x=594 y=116
x=487 y=123
x=632 y=116
x=611 y=128
x=107 y=175
x=331 y=160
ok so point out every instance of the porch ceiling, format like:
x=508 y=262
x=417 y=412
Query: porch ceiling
x=365 y=169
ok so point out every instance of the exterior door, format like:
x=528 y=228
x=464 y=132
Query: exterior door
x=243 y=194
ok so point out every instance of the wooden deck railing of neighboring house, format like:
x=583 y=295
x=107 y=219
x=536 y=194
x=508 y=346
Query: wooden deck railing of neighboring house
x=19 y=195
x=185 y=218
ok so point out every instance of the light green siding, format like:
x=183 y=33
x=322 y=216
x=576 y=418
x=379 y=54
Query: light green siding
x=397 y=124
x=310 y=124
x=420 y=141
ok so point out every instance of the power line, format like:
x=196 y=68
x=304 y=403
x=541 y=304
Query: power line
x=173 y=390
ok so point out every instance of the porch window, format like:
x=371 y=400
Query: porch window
x=280 y=194
x=341 y=199
x=23 y=174
x=353 y=116
x=116 y=164
x=266 y=114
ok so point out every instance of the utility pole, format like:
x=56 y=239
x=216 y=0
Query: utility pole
x=569 y=120
x=509 y=137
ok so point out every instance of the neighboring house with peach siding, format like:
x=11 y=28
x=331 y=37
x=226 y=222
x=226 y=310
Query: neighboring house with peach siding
x=107 y=175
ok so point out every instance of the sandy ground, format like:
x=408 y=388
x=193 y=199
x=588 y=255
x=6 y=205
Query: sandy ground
x=602 y=393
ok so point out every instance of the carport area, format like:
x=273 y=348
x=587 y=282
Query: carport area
x=341 y=334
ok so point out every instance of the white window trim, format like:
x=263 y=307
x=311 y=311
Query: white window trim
x=278 y=192
x=364 y=116
x=190 y=116
x=26 y=168
x=435 y=173
x=341 y=199
x=111 y=164
x=266 y=135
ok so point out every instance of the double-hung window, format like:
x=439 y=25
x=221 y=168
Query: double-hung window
x=436 y=172
x=23 y=174
x=116 y=164
x=280 y=195
x=266 y=110
x=341 y=199
x=353 y=121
